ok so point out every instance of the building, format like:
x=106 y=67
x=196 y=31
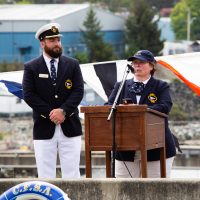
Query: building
x=18 y=24
x=13 y=106
x=178 y=47
x=167 y=33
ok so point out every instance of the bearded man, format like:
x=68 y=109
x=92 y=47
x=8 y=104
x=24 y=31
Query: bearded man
x=53 y=88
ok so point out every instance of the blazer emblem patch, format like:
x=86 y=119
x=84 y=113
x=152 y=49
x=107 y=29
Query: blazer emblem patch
x=152 y=98
x=68 y=84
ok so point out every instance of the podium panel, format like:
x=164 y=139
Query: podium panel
x=137 y=128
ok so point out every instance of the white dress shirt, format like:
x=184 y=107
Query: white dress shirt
x=48 y=62
x=145 y=82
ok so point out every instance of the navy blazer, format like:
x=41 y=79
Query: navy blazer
x=40 y=94
x=157 y=97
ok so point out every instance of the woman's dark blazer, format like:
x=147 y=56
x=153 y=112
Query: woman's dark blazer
x=156 y=96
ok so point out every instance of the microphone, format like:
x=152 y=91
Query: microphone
x=130 y=67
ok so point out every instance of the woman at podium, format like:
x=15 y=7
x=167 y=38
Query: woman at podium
x=143 y=88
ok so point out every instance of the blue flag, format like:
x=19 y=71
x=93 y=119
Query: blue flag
x=14 y=88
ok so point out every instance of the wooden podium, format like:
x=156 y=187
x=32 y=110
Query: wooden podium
x=137 y=128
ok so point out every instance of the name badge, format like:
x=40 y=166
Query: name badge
x=43 y=75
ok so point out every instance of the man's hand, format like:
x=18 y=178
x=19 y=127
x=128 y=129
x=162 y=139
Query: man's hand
x=57 y=116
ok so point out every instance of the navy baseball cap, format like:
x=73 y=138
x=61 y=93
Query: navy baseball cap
x=143 y=55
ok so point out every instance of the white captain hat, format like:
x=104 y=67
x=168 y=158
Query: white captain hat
x=48 y=31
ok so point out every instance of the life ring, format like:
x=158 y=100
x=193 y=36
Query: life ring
x=37 y=190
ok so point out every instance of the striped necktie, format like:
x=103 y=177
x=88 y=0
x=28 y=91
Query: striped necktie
x=53 y=72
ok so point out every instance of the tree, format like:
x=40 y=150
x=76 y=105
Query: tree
x=123 y=5
x=141 y=29
x=98 y=50
x=7 y=1
x=24 y=2
x=163 y=4
x=179 y=19
x=81 y=57
x=116 y=5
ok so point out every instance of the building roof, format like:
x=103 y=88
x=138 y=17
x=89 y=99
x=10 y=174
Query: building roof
x=29 y=17
x=38 y=11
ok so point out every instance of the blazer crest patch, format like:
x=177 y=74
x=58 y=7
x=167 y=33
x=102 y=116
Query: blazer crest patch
x=68 y=84
x=152 y=98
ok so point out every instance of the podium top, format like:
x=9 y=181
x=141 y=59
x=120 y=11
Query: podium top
x=120 y=108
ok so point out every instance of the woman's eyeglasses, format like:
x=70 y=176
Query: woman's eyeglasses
x=139 y=62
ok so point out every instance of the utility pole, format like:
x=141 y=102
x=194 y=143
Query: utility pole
x=188 y=23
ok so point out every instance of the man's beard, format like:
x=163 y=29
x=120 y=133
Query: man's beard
x=54 y=53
